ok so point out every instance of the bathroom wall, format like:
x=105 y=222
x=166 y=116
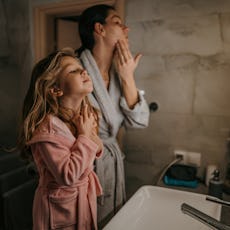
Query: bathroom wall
x=185 y=69
x=14 y=65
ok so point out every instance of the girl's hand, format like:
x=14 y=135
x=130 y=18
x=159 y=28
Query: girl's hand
x=125 y=63
x=85 y=122
x=86 y=125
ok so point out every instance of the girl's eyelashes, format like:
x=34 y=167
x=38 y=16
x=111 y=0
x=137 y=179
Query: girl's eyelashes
x=75 y=71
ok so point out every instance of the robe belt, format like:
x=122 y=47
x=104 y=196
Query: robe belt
x=111 y=148
x=109 y=140
x=89 y=174
x=94 y=189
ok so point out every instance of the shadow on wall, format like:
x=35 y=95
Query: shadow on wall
x=10 y=102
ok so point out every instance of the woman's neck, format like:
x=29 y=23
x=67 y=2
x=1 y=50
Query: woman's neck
x=103 y=57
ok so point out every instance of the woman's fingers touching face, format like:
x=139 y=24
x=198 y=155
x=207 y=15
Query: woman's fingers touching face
x=123 y=51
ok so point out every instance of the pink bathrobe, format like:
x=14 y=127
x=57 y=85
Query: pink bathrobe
x=66 y=194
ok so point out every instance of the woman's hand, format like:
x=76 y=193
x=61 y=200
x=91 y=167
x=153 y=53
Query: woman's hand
x=125 y=66
x=125 y=63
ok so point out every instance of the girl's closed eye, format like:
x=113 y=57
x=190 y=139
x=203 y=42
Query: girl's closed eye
x=75 y=71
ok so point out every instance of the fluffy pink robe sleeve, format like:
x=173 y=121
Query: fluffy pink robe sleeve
x=68 y=187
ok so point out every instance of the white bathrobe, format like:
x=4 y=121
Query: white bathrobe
x=114 y=113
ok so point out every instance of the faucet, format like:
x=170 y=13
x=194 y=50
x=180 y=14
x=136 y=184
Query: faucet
x=217 y=200
x=204 y=218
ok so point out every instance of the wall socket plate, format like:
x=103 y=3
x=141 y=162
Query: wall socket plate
x=189 y=158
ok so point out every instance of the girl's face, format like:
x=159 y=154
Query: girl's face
x=73 y=79
x=114 y=28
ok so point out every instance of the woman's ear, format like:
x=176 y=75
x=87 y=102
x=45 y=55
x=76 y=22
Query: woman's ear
x=56 y=92
x=99 y=28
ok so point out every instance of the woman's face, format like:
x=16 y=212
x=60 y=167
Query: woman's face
x=73 y=79
x=114 y=29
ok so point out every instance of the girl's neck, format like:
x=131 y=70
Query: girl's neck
x=73 y=105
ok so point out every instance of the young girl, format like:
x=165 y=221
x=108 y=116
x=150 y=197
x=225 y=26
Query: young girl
x=60 y=129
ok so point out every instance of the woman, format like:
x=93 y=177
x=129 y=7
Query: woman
x=59 y=132
x=106 y=56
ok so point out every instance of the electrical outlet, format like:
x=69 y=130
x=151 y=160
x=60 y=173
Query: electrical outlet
x=180 y=153
x=190 y=158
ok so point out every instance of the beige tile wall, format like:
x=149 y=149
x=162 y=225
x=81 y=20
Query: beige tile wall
x=186 y=70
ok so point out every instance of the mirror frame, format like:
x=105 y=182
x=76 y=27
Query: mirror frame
x=43 y=17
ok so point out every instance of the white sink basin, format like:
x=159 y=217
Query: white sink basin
x=158 y=208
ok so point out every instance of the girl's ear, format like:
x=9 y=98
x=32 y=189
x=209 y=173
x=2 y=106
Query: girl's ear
x=56 y=92
x=99 y=28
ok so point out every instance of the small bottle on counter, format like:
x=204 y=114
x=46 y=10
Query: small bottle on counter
x=216 y=185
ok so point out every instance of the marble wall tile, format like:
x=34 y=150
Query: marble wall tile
x=138 y=11
x=185 y=70
x=172 y=90
x=149 y=65
x=144 y=173
x=212 y=89
x=169 y=80
x=225 y=30
x=196 y=35
x=204 y=134
x=187 y=8
x=146 y=10
x=180 y=130
x=149 y=154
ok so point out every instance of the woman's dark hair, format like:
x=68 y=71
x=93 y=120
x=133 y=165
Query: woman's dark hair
x=88 y=18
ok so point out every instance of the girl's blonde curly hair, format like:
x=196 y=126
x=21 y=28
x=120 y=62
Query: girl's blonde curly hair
x=39 y=102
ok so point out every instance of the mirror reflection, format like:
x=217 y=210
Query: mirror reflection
x=160 y=86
